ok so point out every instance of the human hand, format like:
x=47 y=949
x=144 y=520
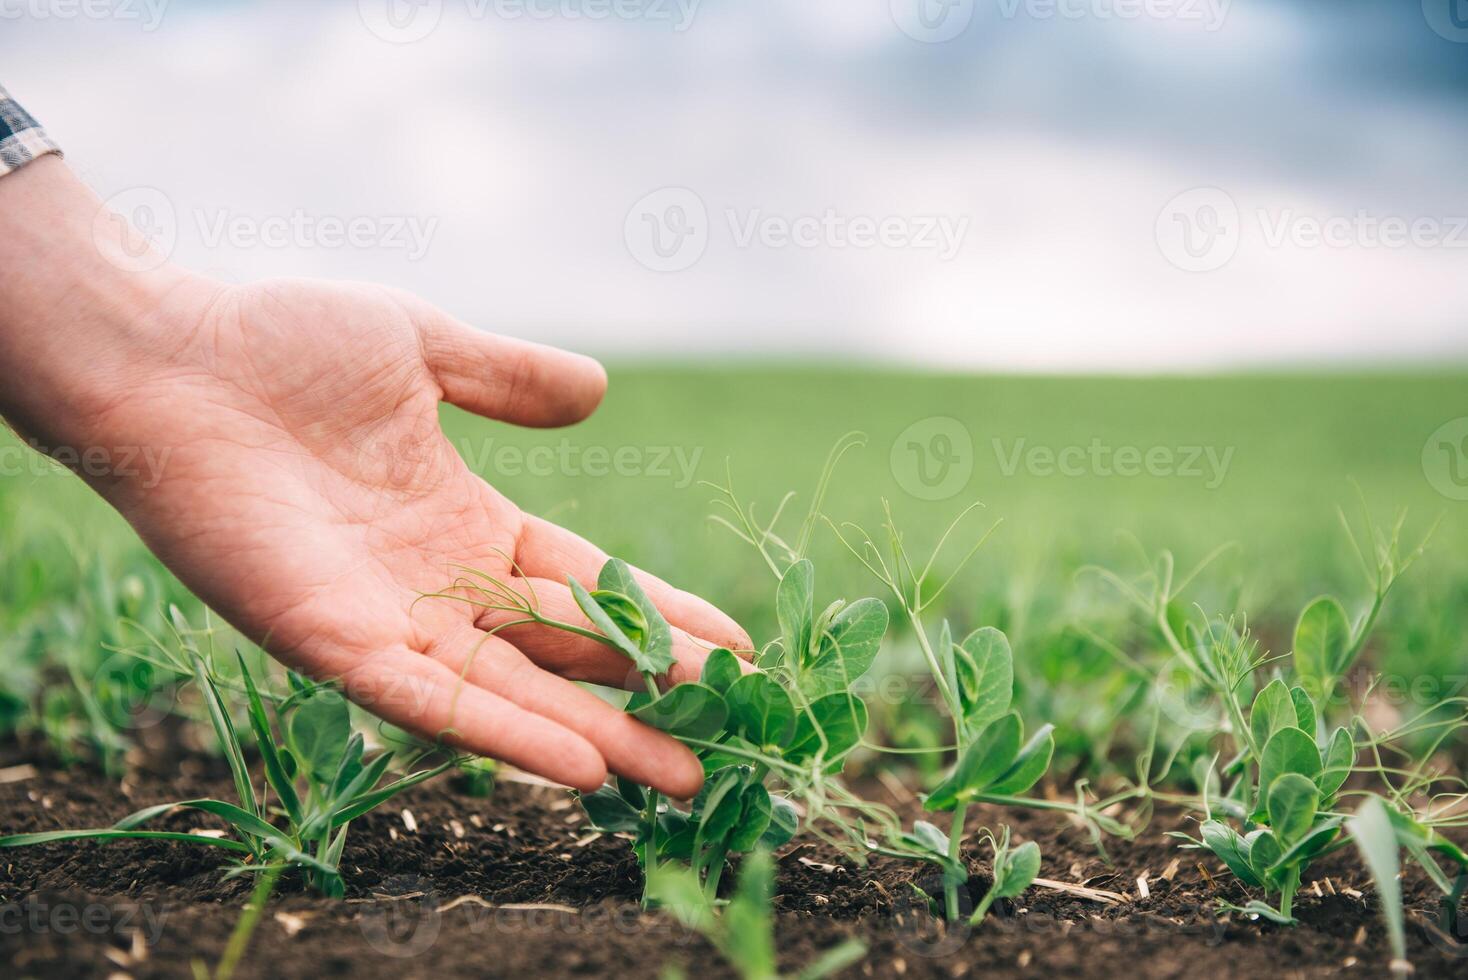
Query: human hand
x=304 y=489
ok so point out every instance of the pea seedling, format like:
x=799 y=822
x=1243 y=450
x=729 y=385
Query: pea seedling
x=744 y=934
x=316 y=768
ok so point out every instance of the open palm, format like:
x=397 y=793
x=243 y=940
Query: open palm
x=306 y=491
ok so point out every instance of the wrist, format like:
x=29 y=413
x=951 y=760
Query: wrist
x=85 y=307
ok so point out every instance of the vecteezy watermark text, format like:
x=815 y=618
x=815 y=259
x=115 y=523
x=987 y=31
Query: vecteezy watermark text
x=142 y=463
x=406 y=21
x=669 y=229
x=1100 y=459
x=147 y=13
x=565 y=458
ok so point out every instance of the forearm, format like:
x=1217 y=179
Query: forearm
x=78 y=308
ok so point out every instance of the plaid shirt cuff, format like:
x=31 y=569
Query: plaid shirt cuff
x=21 y=138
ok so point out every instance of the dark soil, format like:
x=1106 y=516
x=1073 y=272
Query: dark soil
x=516 y=885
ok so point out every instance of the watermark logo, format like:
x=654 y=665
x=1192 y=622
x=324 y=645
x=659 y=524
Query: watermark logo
x=1448 y=18
x=667 y=230
x=400 y=21
x=1445 y=459
x=139 y=229
x=136 y=229
x=131 y=693
x=932 y=21
x=405 y=920
x=1198 y=230
x=146 y=13
x=933 y=458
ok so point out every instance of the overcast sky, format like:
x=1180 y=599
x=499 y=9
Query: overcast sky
x=1034 y=184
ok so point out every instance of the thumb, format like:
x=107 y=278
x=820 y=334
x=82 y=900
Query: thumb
x=503 y=378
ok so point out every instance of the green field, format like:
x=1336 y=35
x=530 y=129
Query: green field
x=1259 y=461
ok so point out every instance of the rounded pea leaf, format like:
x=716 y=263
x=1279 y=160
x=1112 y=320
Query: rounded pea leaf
x=1304 y=709
x=981 y=763
x=1289 y=750
x=1273 y=709
x=985 y=667
x=656 y=646
x=609 y=812
x=756 y=812
x=1322 y=640
x=784 y=822
x=318 y=730
x=689 y=710
x=720 y=670
x=760 y=710
x=1293 y=800
x=1021 y=865
x=1231 y=849
x=795 y=609
x=1340 y=757
x=1029 y=765
x=845 y=650
x=1263 y=851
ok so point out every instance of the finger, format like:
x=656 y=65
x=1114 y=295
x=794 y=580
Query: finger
x=629 y=747
x=547 y=550
x=579 y=657
x=420 y=694
x=507 y=379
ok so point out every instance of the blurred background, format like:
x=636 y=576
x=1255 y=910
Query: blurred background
x=1136 y=274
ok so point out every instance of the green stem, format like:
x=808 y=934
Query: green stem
x=1287 y=892
x=955 y=853
x=239 y=939
x=650 y=851
x=983 y=907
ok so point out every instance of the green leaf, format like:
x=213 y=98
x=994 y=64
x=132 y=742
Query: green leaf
x=1231 y=849
x=678 y=891
x=1273 y=709
x=1264 y=853
x=689 y=710
x=748 y=921
x=1020 y=866
x=755 y=814
x=1311 y=844
x=833 y=960
x=1293 y=800
x=224 y=731
x=796 y=611
x=1376 y=839
x=933 y=844
x=318 y=730
x=846 y=650
x=842 y=718
x=981 y=763
x=1263 y=911
x=784 y=822
x=243 y=820
x=1304 y=710
x=1289 y=750
x=609 y=812
x=657 y=645
x=275 y=770
x=760 y=710
x=371 y=801
x=1029 y=766
x=985 y=667
x=624 y=613
x=112 y=833
x=720 y=670
x=1340 y=758
x=607 y=627
x=1322 y=642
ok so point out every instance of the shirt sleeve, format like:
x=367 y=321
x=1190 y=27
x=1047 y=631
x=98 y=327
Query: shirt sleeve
x=21 y=138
